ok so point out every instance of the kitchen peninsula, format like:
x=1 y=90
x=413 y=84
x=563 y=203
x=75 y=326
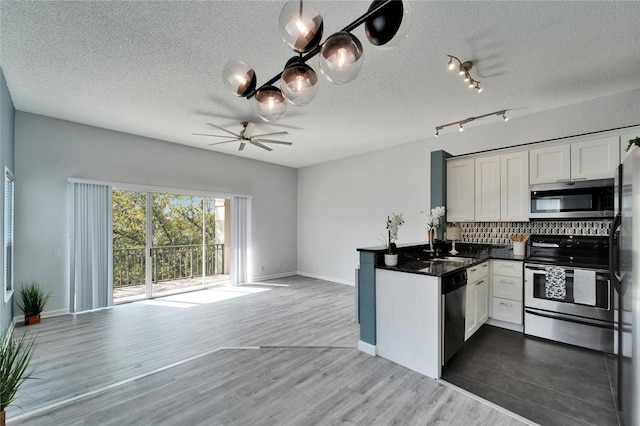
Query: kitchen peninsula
x=401 y=307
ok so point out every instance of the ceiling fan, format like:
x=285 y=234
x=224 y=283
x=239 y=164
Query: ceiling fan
x=246 y=136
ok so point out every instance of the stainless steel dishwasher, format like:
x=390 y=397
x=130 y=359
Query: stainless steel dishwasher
x=454 y=295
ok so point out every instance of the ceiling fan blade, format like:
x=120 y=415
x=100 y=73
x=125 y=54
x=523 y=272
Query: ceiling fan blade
x=248 y=130
x=260 y=145
x=224 y=130
x=271 y=134
x=242 y=145
x=218 y=143
x=272 y=141
x=205 y=134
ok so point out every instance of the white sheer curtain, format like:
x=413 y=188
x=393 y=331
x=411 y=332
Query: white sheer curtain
x=240 y=239
x=91 y=275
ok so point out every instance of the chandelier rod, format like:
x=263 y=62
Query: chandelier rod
x=304 y=58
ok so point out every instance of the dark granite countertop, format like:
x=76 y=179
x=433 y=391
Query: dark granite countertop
x=413 y=258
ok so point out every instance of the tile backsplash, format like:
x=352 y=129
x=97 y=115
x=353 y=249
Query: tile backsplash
x=498 y=232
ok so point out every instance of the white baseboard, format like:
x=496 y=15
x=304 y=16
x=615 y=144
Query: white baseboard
x=333 y=280
x=271 y=277
x=367 y=348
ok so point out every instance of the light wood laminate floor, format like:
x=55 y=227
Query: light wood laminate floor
x=279 y=352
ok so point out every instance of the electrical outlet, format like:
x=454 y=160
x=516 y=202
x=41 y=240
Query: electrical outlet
x=262 y=268
x=56 y=252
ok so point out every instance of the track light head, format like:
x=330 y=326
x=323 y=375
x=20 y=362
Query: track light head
x=478 y=88
x=437 y=132
x=461 y=129
x=451 y=65
x=504 y=117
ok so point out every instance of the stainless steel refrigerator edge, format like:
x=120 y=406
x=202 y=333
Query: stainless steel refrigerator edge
x=625 y=273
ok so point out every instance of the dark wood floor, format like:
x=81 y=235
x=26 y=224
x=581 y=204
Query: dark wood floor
x=550 y=383
x=281 y=352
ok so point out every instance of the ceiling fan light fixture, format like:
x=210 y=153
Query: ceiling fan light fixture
x=390 y=25
x=301 y=25
x=239 y=78
x=341 y=58
x=299 y=83
x=270 y=104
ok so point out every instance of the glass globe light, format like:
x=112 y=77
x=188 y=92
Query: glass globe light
x=239 y=78
x=300 y=25
x=299 y=83
x=341 y=57
x=387 y=28
x=269 y=104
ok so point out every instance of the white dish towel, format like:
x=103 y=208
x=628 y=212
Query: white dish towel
x=584 y=287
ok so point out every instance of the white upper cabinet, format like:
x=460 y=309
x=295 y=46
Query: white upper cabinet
x=514 y=187
x=594 y=159
x=460 y=190
x=550 y=164
x=487 y=197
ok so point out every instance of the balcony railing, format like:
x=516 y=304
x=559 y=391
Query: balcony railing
x=168 y=263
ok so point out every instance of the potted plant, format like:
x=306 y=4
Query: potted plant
x=633 y=142
x=15 y=357
x=433 y=221
x=393 y=224
x=31 y=301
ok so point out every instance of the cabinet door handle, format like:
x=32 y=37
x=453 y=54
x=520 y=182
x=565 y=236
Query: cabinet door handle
x=508 y=265
x=472 y=270
x=506 y=304
x=485 y=265
x=582 y=178
x=507 y=282
x=563 y=180
x=479 y=282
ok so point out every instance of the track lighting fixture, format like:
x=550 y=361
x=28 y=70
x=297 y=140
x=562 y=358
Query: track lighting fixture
x=463 y=70
x=461 y=123
x=386 y=24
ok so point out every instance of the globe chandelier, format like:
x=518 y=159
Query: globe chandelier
x=340 y=56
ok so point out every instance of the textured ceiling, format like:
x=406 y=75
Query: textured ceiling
x=154 y=68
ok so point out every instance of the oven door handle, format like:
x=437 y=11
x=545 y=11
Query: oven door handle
x=573 y=320
x=536 y=267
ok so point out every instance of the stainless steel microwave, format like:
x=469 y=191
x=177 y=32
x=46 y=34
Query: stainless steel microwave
x=582 y=199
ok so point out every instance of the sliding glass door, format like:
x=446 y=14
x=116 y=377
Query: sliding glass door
x=167 y=243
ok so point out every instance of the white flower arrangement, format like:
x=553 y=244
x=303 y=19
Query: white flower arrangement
x=433 y=218
x=394 y=222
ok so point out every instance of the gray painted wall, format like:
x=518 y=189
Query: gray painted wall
x=49 y=151
x=7 y=115
x=343 y=204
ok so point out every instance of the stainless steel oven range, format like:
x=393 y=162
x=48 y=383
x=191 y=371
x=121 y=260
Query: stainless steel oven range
x=568 y=294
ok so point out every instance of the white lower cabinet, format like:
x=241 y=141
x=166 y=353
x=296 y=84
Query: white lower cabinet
x=506 y=286
x=477 y=299
x=507 y=310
